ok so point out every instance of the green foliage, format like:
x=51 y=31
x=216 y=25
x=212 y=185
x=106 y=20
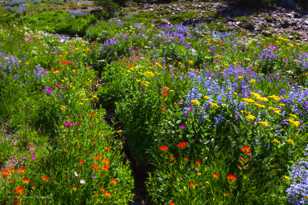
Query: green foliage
x=59 y=22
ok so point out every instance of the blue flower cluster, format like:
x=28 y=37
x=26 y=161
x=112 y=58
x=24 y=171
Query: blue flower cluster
x=268 y=53
x=8 y=62
x=233 y=84
x=110 y=42
x=303 y=60
x=298 y=190
x=177 y=33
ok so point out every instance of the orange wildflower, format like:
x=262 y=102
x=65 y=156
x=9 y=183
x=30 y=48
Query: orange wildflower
x=21 y=170
x=198 y=162
x=164 y=148
x=216 y=175
x=45 y=178
x=231 y=177
x=191 y=184
x=106 y=161
x=107 y=149
x=55 y=71
x=26 y=180
x=106 y=167
x=82 y=161
x=95 y=166
x=6 y=172
x=19 y=190
x=66 y=62
x=165 y=91
x=246 y=150
x=107 y=194
x=182 y=144
x=114 y=181
x=171 y=202
x=98 y=157
x=172 y=157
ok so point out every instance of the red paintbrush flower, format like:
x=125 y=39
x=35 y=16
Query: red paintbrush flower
x=246 y=150
x=164 y=148
x=182 y=144
x=19 y=190
x=66 y=62
x=231 y=177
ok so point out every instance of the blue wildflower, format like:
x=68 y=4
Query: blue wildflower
x=298 y=190
x=110 y=42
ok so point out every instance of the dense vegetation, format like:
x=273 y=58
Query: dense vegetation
x=215 y=116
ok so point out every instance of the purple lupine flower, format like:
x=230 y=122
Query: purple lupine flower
x=245 y=89
x=306 y=151
x=181 y=28
x=192 y=74
x=220 y=35
x=194 y=94
x=110 y=42
x=165 y=26
x=218 y=119
x=48 y=90
x=40 y=71
x=303 y=60
x=21 y=9
x=138 y=25
x=173 y=35
x=298 y=190
x=268 y=53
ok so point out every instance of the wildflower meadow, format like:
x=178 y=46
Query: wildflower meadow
x=141 y=103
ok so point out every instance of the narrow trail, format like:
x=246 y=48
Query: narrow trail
x=139 y=170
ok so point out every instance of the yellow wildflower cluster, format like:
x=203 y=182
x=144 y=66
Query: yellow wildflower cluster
x=195 y=102
x=275 y=110
x=259 y=105
x=293 y=122
x=149 y=74
x=275 y=141
x=214 y=105
x=248 y=100
x=264 y=123
x=250 y=117
x=293 y=116
x=253 y=81
x=290 y=141
x=275 y=98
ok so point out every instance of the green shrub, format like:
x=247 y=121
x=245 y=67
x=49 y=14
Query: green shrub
x=59 y=22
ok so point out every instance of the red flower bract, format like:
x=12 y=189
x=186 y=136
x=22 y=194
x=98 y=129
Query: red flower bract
x=82 y=161
x=165 y=91
x=231 y=177
x=246 y=150
x=66 y=62
x=164 y=148
x=19 y=190
x=216 y=175
x=182 y=144
x=45 y=178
